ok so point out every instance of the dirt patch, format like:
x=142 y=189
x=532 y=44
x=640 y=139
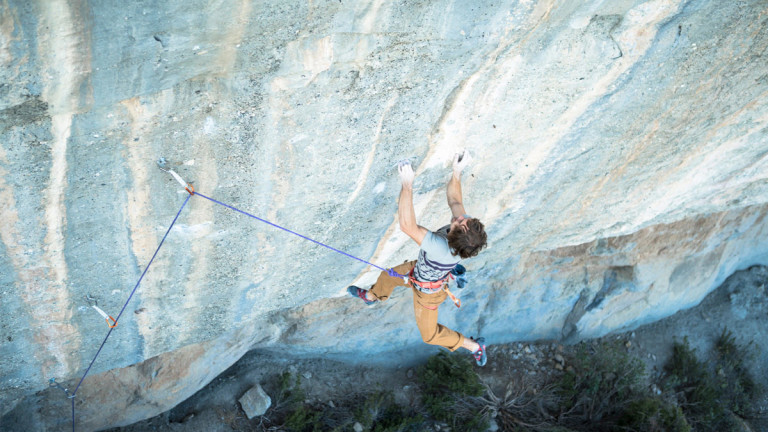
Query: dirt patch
x=738 y=305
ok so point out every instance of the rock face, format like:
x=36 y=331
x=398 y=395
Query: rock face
x=620 y=160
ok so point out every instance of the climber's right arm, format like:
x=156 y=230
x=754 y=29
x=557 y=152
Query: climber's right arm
x=405 y=214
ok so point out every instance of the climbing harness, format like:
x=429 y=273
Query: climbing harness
x=428 y=287
x=163 y=165
x=435 y=286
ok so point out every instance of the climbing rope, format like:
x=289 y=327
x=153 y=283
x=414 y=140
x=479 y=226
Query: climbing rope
x=191 y=190
x=163 y=165
x=115 y=321
x=390 y=271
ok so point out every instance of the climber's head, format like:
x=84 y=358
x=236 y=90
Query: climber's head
x=466 y=237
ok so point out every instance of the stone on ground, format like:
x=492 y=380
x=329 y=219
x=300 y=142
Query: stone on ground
x=255 y=402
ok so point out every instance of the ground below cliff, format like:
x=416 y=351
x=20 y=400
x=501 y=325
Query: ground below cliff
x=738 y=305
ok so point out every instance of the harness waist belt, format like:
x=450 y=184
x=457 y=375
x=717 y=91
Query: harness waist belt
x=428 y=287
x=433 y=287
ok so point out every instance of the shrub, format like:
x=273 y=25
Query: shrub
x=290 y=407
x=733 y=381
x=447 y=381
x=289 y=391
x=396 y=419
x=380 y=413
x=604 y=379
x=710 y=397
x=652 y=414
x=304 y=419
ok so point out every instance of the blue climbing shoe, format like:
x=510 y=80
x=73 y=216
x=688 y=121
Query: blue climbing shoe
x=481 y=358
x=359 y=293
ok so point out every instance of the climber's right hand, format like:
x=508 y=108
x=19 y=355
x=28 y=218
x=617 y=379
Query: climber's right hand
x=406 y=173
x=460 y=161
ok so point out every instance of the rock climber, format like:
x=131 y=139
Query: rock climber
x=440 y=251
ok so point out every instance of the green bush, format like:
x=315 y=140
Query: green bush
x=290 y=398
x=711 y=396
x=447 y=381
x=304 y=419
x=376 y=411
x=602 y=381
x=733 y=381
x=288 y=391
x=374 y=404
x=380 y=413
x=604 y=389
x=652 y=414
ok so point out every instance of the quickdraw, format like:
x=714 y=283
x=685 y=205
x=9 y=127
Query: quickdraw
x=104 y=315
x=94 y=304
x=162 y=164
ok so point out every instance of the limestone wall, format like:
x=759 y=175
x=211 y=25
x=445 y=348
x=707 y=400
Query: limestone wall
x=620 y=160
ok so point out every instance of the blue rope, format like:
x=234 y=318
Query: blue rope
x=72 y=396
x=389 y=271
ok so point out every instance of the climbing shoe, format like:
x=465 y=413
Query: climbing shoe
x=480 y=356
x=359 y=293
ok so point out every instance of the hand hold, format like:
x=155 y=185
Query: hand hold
x=406 y=172
x=460 y=161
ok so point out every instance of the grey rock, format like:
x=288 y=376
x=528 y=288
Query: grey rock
x=493 y=426
x=255 y=402
x=619 y=180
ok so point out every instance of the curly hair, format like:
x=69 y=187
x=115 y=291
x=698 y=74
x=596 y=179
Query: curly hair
x=469 y=243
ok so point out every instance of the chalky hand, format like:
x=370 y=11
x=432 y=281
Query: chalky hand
x=406 y=173
x=460 y=161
